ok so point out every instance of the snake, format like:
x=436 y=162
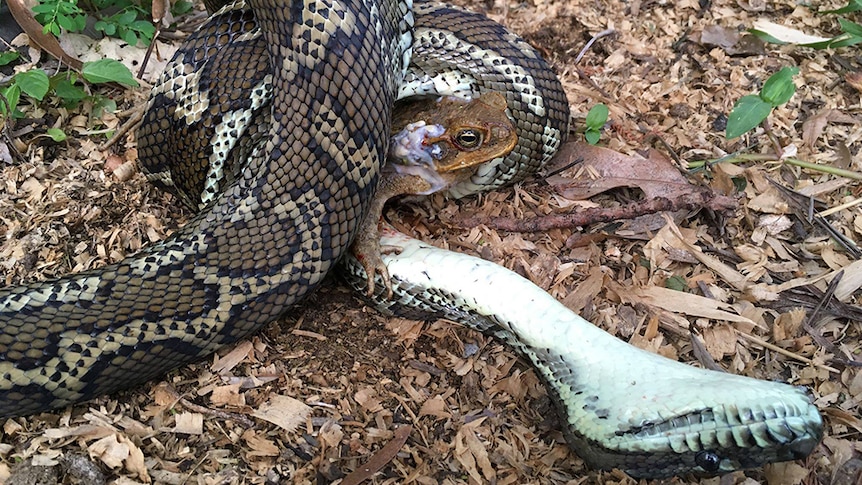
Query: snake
x=301 y=94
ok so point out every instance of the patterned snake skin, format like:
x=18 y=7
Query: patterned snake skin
x=279 y=206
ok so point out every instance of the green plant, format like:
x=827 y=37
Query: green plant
x=749 y=111
x=596 y=119
x=57 y=14
x=851 y=32
x=36 y=84
x=129 y=22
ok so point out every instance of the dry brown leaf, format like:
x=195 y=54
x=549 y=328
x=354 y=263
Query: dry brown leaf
x=228 y=395
x=225 y=364
x=786 y=473
x=730 y=40
x=850 y=281
x=189 y=423
x=854 y=79
x=34 y=189
x=720 y=341
x=687 y=304
x=283 y=411
x=260 y=445
x=85 y=431
x=435 y=406
x=47 y=42
x=330 y=433
x=655 y=175
x=406 y=331
x=813 y=127
x=117 y=451
x=586 y=291
x=379 y=459
x=769 y=202
x=368 y=399
x=470 y=453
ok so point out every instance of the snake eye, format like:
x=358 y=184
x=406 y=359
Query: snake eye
x=708 y=460
x=468 y=138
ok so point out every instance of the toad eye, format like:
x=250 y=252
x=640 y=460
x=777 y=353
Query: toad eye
x=468 y=138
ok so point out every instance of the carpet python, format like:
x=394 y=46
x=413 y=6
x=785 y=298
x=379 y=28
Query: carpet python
x=288 y=129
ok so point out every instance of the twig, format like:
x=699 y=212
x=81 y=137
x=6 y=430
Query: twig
x=816 y=219
x=565 y=167
x=692 y=201
x=784 y=352
x=848 y=205
x=808 y=324
x=239 y=418
x=592 y=41
x=776 y=145
x=132 y=122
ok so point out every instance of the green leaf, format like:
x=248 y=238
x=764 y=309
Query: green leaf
x=108 y=29
x=779 y=88
x=676 y=283
x=12 y=93
x=67 y=91
x=56 y=134
x=102 y=105
x=34 y=83
x=597 y=117
x=181 y=6
x=8 y=56
x=108 y=70
x=852 y=6
x=72 y=23
x=845 y=40
x=43 y=8
x=145 y=27
x=592 y=136
x=129 y=36
x=747 y=113
x=851 y=28
x=80 y=22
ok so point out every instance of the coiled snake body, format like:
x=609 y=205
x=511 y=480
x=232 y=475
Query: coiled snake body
x=282 y=186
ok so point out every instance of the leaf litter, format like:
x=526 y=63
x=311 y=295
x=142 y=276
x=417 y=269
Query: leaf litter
x=329 y=390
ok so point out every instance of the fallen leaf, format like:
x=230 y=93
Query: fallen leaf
x=283 y=411
x=655 y=175
x=225 y=364
x=368 y=399
x=260 y=445
x=379 y=459
x=435 y=406
x=720 y=341
x=189 y=423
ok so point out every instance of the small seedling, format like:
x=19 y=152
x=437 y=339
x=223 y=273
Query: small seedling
x=596 y=119
x=749 y=111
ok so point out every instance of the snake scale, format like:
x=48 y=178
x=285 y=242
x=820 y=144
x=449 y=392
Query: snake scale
x=285 y=129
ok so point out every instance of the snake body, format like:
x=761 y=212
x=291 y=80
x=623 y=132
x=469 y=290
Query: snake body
x=622 y=407
x=282 y=176
x=261 y=244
